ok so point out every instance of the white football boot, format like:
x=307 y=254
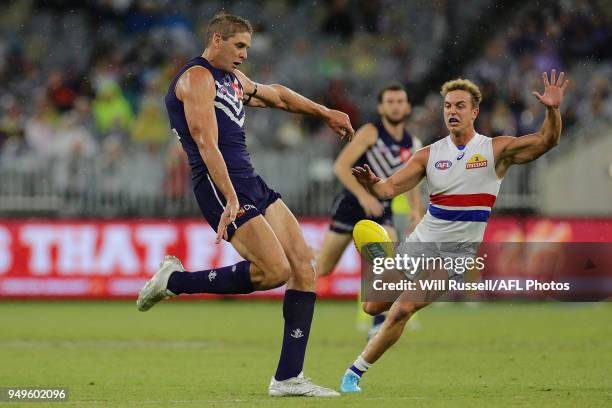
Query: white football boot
x=299 y=386
x=156 y=288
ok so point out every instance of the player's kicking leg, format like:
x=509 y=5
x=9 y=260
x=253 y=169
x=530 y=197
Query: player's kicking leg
x=298 y=307
x=265 y=267
x=269 y=267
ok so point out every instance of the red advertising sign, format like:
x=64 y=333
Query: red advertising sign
x=113 y=259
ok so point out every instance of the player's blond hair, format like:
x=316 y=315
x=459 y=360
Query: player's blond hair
x=227 y=25
x=461 y=84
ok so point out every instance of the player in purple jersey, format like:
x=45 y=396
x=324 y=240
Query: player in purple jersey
x=385 y=145
x=205 y=105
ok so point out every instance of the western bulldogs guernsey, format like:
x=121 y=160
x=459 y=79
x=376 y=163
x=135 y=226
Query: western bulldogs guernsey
x=384 y=157
x=462 y=187
x=230 y=120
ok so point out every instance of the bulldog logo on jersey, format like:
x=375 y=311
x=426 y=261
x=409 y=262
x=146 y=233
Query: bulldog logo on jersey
x=476 y=161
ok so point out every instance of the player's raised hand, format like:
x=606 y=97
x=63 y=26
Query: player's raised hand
x=365 y=175
x=340 y=123
x=553 y=90
x=228 y=216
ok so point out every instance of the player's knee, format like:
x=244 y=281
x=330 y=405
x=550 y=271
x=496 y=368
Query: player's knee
x=271 y=275
x=278 y=275
x=372 y=308
x=304 y=266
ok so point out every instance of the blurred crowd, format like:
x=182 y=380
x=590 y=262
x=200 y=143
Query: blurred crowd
x=83 y=82
x=570 y=36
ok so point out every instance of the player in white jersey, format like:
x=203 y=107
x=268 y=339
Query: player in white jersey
x=464 y=172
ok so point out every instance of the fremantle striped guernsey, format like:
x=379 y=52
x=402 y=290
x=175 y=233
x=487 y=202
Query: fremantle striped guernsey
x=462 y=188
x=230 y=115
x=387 y=155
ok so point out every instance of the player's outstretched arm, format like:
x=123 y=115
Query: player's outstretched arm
x=281 y=97
x=403 y=180
x=510 y=150
x=196 y=89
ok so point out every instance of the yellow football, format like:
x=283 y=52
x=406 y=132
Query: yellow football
x=372 y=240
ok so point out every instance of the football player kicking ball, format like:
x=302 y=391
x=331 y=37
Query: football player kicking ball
x=205 y=104
x=464 y=172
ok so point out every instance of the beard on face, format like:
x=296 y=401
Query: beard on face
x=393 y=121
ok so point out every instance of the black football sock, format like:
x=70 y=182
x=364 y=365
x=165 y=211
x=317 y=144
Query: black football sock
x=233 y=279
x=298 y=308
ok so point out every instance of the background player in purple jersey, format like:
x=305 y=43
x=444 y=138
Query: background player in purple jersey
x=385 y=145
x=205 y=104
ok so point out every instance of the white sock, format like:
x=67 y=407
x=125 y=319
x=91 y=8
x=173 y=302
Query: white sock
x=361 y=364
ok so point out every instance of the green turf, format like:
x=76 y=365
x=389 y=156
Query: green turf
x=203 y=354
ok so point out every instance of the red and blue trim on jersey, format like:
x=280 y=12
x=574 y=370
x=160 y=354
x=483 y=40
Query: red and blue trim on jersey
x=462 y=207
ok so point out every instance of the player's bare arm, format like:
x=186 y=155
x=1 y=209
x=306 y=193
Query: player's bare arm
x=196 y=89
x=281 y=97
x=510 y=150
x=364 y=138
x=417 y=208
x=404 y=180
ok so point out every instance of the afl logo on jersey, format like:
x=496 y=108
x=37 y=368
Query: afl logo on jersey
x=443 y=164
x=476 y=161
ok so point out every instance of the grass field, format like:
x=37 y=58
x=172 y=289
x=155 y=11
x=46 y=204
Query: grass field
x=223 y=353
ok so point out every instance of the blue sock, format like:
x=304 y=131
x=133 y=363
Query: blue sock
x=360 y=366
x=298 y=308
x=356 y=370
x=378 y=319
x=233 y=279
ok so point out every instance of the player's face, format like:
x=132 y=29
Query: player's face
x=459 y=115
x=394 y=106
x=233 y=51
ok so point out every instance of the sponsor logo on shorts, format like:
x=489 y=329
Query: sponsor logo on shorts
x=244 y=209
x=476 y=161
x=443 y=164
